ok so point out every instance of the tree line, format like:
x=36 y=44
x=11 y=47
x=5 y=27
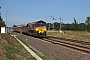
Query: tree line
x=2 y=23
x=74 y=26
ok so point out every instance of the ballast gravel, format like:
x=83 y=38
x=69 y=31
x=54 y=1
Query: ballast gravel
x=54 y=51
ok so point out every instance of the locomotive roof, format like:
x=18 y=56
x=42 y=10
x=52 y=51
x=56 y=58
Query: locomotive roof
x=38 y=22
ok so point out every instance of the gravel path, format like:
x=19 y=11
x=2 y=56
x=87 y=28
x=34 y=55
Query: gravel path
x=54 y=51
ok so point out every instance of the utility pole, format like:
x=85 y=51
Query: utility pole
x=53 y=22
x=46 y=18
x=60 y=24
x=51 y=19
x=6 y=21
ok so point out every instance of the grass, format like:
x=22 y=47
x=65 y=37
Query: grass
x=9 y=56
x=78 y=35
x=13 y=50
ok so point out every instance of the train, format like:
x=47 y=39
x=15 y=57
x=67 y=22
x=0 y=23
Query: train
x=37 y=29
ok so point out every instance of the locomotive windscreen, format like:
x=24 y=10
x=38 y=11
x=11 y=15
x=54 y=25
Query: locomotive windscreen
x=40 y=25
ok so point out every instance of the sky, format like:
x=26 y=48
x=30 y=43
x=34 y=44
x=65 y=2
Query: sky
x=27 y=11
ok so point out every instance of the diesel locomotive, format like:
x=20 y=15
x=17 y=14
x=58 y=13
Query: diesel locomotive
x=37 y=29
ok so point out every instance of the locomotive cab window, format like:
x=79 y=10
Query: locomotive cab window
x=40 y=25
x=43 y=25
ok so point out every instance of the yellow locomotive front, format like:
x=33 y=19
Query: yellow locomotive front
x=40 y=29
x=37 y=29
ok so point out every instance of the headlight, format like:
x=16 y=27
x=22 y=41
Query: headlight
x=36 y=29
x=45 y=29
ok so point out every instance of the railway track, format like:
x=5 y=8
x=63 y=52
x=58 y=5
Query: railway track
x=74 y=44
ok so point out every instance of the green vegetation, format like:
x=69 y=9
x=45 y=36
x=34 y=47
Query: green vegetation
x=12 y=49
x=9 y=56
x=78 y=35
x=14 y=25
x=74 y=26
x=2 y=23
x=15 y=51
